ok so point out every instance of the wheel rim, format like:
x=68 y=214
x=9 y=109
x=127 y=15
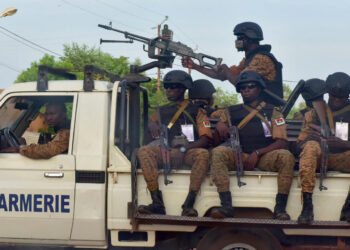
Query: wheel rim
x=239 y=246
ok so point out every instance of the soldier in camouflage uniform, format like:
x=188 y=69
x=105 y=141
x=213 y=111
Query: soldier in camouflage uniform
x=193 y=153
x=201 y=94
x=55 y=115
x=263 y=139
x=257 y=58
x=338 y=117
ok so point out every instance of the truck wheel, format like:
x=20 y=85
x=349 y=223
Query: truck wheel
x=238 y=239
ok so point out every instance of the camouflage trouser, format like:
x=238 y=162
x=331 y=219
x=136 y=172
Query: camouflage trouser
x=281 y=161
x=310 y=161
x=150 y=157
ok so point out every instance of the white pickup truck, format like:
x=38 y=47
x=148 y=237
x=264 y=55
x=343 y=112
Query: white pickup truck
x=86 y=198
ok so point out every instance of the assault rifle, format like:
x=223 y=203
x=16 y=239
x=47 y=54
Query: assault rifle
x=292 y=98
x=324 y=157
x=167 y=47
x=164 y=149
x=236 y=147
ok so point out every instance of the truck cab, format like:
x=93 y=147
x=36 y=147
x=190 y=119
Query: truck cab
x=88 y=196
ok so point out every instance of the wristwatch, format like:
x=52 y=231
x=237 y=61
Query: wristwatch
x=182 y=149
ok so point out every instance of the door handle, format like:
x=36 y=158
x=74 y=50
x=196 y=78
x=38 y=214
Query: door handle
x=53 y=174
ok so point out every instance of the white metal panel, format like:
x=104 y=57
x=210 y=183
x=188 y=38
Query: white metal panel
x=49 y=211
x=91 y=131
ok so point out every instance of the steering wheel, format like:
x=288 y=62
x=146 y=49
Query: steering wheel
x=10 y=138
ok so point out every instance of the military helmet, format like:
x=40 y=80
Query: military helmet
x=313 y=89
x=250 y=76
x=202 y=89
x=338 y=84
x=251 y=30
x=178 y=77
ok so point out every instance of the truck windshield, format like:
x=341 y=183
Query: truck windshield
x=10 y=112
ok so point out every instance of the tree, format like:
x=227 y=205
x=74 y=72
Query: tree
x=225 y=98
x=74 y=59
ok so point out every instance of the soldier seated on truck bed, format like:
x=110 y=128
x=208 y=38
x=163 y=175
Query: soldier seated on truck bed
x=181 y=118
x=263 y=137
x=201 y=94
x=55 y=115
x=338 y=115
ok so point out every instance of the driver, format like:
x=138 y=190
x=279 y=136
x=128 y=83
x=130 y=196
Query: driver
x=56 y=117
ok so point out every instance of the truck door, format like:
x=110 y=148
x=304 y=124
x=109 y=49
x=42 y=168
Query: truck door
x=36 y=195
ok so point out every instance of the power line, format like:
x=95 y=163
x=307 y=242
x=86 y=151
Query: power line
x=33 y=43
x=98 y=15
x=22 y=42
x=125 y=12
x=9 y=67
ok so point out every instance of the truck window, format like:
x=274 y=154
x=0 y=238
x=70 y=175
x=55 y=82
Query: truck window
x=24 y=116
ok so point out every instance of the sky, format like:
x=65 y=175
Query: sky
x=310 y=38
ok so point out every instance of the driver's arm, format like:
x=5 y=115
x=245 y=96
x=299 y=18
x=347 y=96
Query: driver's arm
x=58 y=145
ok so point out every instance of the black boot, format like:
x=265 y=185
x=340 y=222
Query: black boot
x=345 y=212
x=307 y=214
x=187 y=207
x=226 y=210
x=157 y=206
x=279 y=212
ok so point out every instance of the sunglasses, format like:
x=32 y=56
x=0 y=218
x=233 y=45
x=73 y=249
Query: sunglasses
x=249 y=86
x=173 y=86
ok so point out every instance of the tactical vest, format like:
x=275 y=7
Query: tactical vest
x=204 y=106
x=276 y=85
x=168 y=111
x=251 y=136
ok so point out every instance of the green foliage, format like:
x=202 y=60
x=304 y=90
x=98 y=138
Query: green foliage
x=294 y=110
x=74 y=59
x=225 y=98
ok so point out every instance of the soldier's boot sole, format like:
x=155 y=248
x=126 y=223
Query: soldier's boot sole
x=190 y=212
x=221 y=213
x=305 y=220
x=150 y=210
x=281 y=216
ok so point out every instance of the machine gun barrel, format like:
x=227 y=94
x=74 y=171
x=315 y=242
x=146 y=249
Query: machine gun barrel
x=115 y=41
x=168 y=47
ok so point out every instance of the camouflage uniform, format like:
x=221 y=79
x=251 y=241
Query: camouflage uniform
x=281 y=161
x=311 y=154
x=58 y=145
x=150 y=157
x=262 y=61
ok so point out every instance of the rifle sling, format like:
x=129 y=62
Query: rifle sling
x=330 y=119
x=253 y=112
x=341 y=111
x=177 y=114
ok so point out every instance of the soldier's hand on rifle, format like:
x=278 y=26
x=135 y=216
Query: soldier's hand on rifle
x=222 y=72
x=178 y=159
x=335 y=142
x=251 y=162
x=314 y=136
x=187 y=62
x=222 y=131
x=154 y=129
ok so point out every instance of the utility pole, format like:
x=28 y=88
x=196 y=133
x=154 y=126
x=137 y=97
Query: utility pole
x=158 y=33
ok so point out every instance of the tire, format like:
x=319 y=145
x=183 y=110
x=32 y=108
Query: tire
x=238 y=239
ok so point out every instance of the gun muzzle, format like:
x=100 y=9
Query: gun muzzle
x=115 y=41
